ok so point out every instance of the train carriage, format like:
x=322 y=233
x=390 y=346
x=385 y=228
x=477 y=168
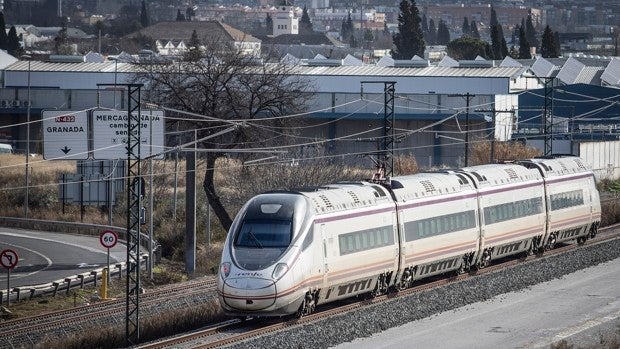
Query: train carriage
x=573 y=202
x=357 y=227
x=438 y=223
x=512 y=209
x=288 y=251
x=271 y=236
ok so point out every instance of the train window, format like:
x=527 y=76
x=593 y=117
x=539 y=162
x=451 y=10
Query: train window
x=308 y=239
x=512 y=210
x=424 y=228
x=567 y=199
x=364 y=240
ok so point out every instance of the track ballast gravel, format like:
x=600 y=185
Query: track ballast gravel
x=365 y=321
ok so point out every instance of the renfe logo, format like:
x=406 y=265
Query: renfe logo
x=65 y=118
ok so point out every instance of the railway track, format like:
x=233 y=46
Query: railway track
x=30 y=329
x=235 y=331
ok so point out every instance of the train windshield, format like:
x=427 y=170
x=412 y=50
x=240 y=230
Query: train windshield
x=264 y=233
x=266 y=230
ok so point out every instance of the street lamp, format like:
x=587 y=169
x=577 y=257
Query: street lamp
x=29 y=58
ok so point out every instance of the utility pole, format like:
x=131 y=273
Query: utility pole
x=548 y=117
x=135 y=192
x=385 y=161
x=468 y=97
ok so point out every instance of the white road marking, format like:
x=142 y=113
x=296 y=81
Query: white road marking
x=21 y=275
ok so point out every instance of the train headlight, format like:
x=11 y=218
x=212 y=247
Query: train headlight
x=225 y=269
x=279 y=270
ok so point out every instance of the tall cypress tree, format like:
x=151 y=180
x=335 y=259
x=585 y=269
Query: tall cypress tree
x=346 y=31
x=14 y=48
x=305 y=25
x=524 y=45
x=144 y=17
x=443 y=33
x=4 y=40
x=409 y=40
x=474 y=29
x=498 y=42
x=465 y=28
x=431 y=36
x=180 y=16
x=530 y=31
x=269 y=24
x=548 y=47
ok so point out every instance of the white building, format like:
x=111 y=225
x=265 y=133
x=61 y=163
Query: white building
x=284 y=21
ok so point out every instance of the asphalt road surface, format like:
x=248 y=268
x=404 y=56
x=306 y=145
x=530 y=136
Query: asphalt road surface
x=45 y=257
x=581 y=308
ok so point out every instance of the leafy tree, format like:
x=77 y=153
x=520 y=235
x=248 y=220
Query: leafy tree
x=144 y=16
x=524 y=45
x=409 y=40
x=530 y=32
x=467 y=47
x=226 y=88
x=465 y=27
x=443 y=33
x=180 y=16
x=305 y=25
x=4 y=39
x=474 y=30
x=424 y=24
x=548 y=47
x=14 y=48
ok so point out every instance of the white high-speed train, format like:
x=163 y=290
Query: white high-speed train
x=287 y=252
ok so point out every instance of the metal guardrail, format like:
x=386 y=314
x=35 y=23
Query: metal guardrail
x=78 y=280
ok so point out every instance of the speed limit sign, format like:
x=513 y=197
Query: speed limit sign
x=108 y=238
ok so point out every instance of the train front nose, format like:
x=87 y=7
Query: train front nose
x=248 y=294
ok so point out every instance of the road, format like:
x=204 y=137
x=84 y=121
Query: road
x=45 y=257
x=581 y=308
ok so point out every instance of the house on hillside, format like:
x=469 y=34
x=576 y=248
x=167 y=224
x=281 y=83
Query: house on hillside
x=172 y=37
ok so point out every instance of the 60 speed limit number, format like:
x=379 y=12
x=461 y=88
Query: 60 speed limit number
x=108 y=238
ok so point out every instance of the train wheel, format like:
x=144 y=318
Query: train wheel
x=593 y=230
x=551 y=242
x=485 y=261
x=581 y=240
x=307 y=306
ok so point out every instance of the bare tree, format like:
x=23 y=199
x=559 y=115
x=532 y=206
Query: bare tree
x=227 y=89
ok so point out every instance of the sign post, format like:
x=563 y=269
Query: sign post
x=65 y=135
x=108 y=239
x=8 y=259
x=111 y=136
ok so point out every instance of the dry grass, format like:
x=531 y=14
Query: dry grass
x=172 y=322
x=503 y=151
